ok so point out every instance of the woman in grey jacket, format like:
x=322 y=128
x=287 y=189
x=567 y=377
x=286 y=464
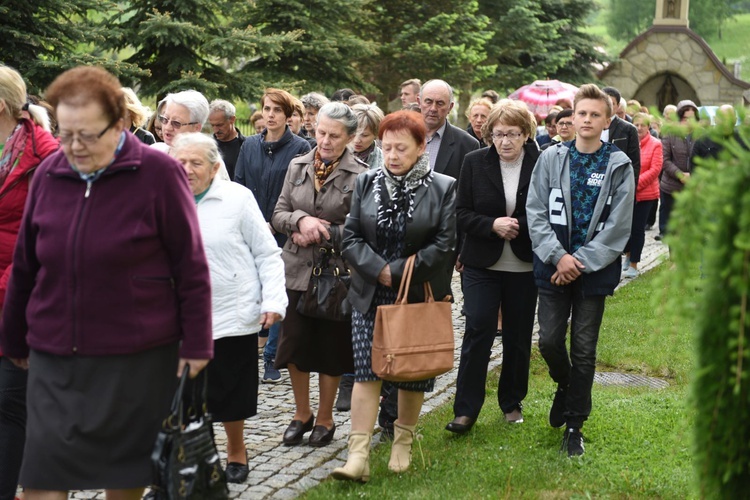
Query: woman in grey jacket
x=397 y=211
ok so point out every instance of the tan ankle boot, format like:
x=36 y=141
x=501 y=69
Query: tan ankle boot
x=403 y=437
x=357 y=466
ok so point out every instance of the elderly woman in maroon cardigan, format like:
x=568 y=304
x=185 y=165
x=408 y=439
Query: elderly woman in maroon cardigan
x=109 y=293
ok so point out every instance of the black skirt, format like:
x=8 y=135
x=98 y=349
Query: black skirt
x=233 y=379
x=314 y=345
x=93 y=420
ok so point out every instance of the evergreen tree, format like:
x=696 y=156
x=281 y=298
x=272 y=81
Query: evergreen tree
x=584 y=50
x=443 y=39
x=42 y=38
x=541 y=40
x=327 y=50
x=626 y=19
x=192 y=44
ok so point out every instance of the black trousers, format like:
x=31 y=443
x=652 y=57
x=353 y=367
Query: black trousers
x=574 y=371
x=484 y=292
x=638 y=234
x=12 y=425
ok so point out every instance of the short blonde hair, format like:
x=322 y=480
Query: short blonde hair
x=591 y=91
x=368 y=115
x=512 y=113
x=12 y=91
x=482 y=101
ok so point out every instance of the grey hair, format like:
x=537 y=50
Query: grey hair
x=314 y=100
x=205 y=143
x=441 y=82
x=341 y=113
x=225 y=107
x=194 y=101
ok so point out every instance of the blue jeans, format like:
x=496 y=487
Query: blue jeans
x=12 y=425
x=269 y=351
x=574 y=372
x=484 y=292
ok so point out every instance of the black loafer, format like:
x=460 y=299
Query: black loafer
x=460 y=425
x=237 y=472
x=295 y=432
x=321 y=436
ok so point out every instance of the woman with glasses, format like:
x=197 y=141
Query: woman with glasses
x=497 y=259
x=24 y=143
x=565 y=130
x=108 y=299
x=181 y=113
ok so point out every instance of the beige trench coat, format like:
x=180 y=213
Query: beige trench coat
x=299 y=199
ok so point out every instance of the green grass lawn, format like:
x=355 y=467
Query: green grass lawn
x=638 y=440
x=734 y=42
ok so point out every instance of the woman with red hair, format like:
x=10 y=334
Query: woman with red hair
x=398 y=210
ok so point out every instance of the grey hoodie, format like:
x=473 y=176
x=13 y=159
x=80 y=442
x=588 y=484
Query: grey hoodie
x=550 y=220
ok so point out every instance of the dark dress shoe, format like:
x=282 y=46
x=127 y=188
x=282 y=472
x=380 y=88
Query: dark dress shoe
x=321 y=436
x=295 y=432
x=237 y=472
x=460 y=425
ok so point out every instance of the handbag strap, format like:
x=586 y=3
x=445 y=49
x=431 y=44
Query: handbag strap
x=403 y=289
x=197 y=403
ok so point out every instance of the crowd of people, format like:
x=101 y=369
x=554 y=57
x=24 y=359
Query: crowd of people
x=135 y=245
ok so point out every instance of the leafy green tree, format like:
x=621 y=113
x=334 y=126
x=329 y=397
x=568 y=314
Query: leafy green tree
x=443 y=39
x=192 y=44
x=710 y=248
x=42 y=38
x=626 y=19
x=328 y=48
x=584 y=50
x=539 y=40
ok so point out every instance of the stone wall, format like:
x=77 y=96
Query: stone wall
x=678 y=51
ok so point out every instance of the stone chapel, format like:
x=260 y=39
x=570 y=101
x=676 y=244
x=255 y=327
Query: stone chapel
x=669 y=62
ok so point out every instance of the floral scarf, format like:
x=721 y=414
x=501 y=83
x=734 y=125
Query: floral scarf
x=12 y=150
x=323 y=170
x=401 y=190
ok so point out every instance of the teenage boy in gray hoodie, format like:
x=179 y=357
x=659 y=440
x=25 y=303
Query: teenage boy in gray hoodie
x=579 y=209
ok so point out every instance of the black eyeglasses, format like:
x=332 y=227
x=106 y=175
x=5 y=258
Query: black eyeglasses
x=177 y=125
x=564 y=124
x=85 y=138
x=512 y=136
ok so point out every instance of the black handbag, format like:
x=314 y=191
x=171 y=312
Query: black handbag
x=325 y=297
x=185 y=461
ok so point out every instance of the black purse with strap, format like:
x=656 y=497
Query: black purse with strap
x=325 y=297
x=185 y=461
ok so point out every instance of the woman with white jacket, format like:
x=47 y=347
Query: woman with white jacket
x=247 y=289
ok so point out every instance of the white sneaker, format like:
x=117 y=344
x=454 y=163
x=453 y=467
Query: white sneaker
x=625 y=263
x=631 y=272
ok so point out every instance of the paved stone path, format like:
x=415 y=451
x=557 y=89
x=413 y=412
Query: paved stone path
x=281 y=472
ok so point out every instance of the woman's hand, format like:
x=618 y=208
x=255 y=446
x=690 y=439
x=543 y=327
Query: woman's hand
x=311 y=231
x=384 y=278
x=22 y=363
x=683 y=176
x=267 y=319
x=196 y=365
x=506 y=227
x=568 y=270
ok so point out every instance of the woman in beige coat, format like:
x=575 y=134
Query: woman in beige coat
x=311 y=210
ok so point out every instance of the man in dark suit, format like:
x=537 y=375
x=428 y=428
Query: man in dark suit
x=623 y=134
x=446 y=144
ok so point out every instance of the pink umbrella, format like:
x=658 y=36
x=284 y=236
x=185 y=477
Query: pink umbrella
x=541 y=95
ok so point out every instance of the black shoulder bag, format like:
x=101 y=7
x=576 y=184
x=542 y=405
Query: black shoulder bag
x=325 y=297
x=185 y=461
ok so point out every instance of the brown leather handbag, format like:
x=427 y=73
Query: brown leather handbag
x=412 y=341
